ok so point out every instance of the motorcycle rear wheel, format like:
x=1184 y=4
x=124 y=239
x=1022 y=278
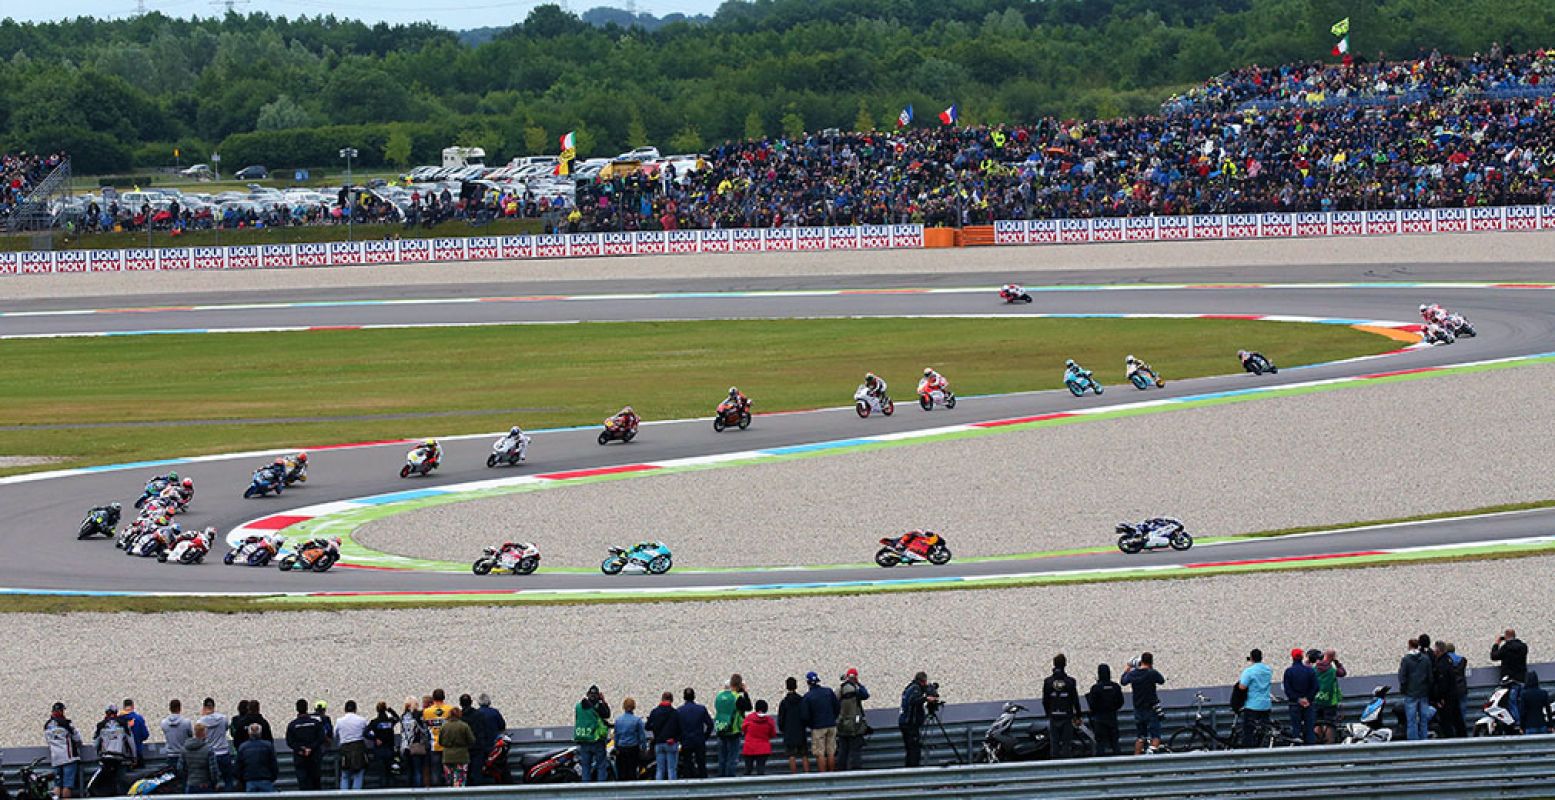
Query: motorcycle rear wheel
x=628 y=436
x=745 y=420
x=1130 y=546
x=950 y=400
x=526 y=566
x=611 y=566
x=889 y=408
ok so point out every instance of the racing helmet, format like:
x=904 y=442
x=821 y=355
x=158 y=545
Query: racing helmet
x=628 y=410
x=115 y=506
x=1070 y=363
x=279 y=462
x=869 y=378
x=514 y=431
x=178 y=528
x=302 y=458
x=1130 y=359
x=335 y=541
x=733 y=391
x=928 y=372
x=430 y=442
x=1242 y=354
x=172 y=476
x=188 y=483
x=210 y=530
x=1423 y=307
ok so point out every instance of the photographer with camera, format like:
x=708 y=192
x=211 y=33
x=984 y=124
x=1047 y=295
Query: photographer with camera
x=852 y=726
x=916 y=701
x=1142 y=676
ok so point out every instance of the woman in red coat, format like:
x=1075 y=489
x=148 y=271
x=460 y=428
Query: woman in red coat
x=759 y=732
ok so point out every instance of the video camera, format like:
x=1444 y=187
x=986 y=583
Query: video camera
x=931 y=697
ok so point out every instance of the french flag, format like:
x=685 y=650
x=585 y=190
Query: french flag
x=950 y=115
x=905 y=118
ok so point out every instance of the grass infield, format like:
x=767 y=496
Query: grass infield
x=117 y=399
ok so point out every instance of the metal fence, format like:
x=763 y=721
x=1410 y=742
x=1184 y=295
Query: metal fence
x=951 y=741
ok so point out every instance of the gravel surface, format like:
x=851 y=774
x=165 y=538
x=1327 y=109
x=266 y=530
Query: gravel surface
x=1069 y=484
x=1481 y=248
x=978 y=644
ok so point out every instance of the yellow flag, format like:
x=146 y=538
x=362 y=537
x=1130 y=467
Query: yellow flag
x=1341 y=27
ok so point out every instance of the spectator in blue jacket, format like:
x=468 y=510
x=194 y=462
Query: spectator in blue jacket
x=257 y=768
x=631 y=735
x=1300 y=685
x=487 y=724
x=696 y=726
x=664 y=724
x=821 y=707
x=136 y=725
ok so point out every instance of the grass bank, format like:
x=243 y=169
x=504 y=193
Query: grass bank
x=122 y=399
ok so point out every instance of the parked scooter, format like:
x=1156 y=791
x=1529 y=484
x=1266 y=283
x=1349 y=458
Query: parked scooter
x=1498 y=720
x=1371 y=729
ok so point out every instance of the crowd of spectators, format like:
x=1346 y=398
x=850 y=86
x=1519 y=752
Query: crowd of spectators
x=19 y=173
x=1432 y=77
x=428 y=742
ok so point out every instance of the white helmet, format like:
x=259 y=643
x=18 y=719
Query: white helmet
x=928 y=371
x=1131 y=359
x=1069 y=363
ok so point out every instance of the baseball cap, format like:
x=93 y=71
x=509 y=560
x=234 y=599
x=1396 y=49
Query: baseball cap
x=1296 y=652
x=58 y=707
x=851 y=673
x=320 y=705
x=811 y=677
x=111 y=710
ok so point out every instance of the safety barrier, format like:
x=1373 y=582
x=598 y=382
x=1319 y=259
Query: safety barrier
x=770 y=240
x=1274 y=225
x=952 y=741
x=472 y=248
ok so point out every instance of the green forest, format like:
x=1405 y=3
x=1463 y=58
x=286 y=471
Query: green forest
x=124 y=94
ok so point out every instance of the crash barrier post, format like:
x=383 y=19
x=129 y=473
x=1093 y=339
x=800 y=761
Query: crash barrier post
x=768 y=240
x=959 y=736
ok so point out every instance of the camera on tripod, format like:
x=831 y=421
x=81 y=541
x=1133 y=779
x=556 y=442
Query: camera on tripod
x=931 y=698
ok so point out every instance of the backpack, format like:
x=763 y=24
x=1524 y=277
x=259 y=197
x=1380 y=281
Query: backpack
x=850 y=721
x=115 y=742
x=726 y=721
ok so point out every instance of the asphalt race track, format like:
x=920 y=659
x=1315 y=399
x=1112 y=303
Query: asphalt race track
x=39 y=551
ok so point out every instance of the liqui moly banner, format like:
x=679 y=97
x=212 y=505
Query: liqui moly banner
x=1276 y=224
x=717 y=241
x=749 y=240
x=875 y=237
x=448 y=250
x=11 y=263
x=809 y=238
x=208 y=257
x=1416 y=220
x=842 y=237
x=584 y=244
x=72 y=261
x=36 y=263
x=1311 y=223
x=1521 y=218
x=111 y=260
x=1209 y=226
x=1241 y=226
x=1546 y=217
x=1485 y=219
x=518 y=246
x=345 y=253
x=682 y=242
x=778 y=239
x=484 y=248
x=618 y=243
x=312 y=255
x=380 y=251
x=1107 y=229
x=906 y=236
x=173 y=258
x=552 y=245
x=243 y=257
x=1042 y=231
x=415 y=251
x=1381 y=222
x=1452 y=220
x=145 y=259
x=1074 y=230
x=1346 y=223
x=651 y=242
x=1139 y=229
x=1009 y=232
x=1170 y=228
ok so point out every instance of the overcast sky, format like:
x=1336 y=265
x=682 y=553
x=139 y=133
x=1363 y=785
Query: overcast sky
x=455 y=14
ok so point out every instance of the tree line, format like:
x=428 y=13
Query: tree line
x=285 y=92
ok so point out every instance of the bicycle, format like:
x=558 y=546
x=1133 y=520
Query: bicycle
x=1200 y=734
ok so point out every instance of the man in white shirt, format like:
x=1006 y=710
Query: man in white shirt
x=350 y=731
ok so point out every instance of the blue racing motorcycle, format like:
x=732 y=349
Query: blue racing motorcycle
x=1080 y=382
x=264 y=482
x=651 y=557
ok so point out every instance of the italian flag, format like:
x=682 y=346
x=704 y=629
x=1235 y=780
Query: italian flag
x=569 y=140
x=1342 y=46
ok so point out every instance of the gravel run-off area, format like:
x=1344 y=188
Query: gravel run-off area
x=1338 y=456
x=981 y=645
x=1162 y=257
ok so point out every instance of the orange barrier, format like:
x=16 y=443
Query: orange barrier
x=939 y=237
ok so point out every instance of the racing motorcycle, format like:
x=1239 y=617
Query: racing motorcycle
x=140 y=527
x=1157 y=533
x=865 y=403
x=95 y=524
x=731 y=415
x=1144 y=377
x=928 y=397
x=1081 y=382
x=653 y=558
x=1014 y=294
x=1498 y=720
x=154 y=488
x=522 y=560
x=317 y=555
x=151 y=543
x=296 y=471
x=1257 y=364
x=189 y=549
x=418 y=462
x=1437 y=334
x=894 y=550
x=614 y=431
x=255 y=551
x=263 y=483
x=1460 y=326
x=508 y=450
x=1370 y=729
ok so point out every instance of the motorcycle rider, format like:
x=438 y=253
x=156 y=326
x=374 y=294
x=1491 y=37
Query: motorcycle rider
x=876 y=387
x=1132 y=365
x=1011 y=290
x=516 y=438
x=509 y=552
x=332 y=545
x=430 y=450
x=295 y=466
x=738 y=400
x=1246 y=356
x=626 y=419
x=933 y=381
x=916 y=544
x=275 y=472
x=110 y=514
x=1075 y=372
x=1433 y=313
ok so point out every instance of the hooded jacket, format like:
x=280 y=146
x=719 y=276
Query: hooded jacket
x=199 y=762
x=1106 y=696
x=1535 y=702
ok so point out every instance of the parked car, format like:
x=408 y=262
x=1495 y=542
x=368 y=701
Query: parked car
x=640 y=154
x=252 y=173
x=197 y=171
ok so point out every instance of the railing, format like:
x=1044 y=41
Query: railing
x=33 y=213
x=954 y=740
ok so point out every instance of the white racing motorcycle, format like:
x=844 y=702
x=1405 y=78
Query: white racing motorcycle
x=509 y=449
x=929 y=398
x=1157 y=533
x=866 y=403
x=189 y=549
